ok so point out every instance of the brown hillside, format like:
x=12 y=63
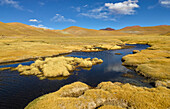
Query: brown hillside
x=90 y=32
x=108 y=29
x=19 y=29
x=131 y=27
x=162 y=29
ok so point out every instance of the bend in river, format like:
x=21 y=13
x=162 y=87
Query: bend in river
x=17 y=91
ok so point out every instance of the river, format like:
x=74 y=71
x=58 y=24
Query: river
x=17 y=91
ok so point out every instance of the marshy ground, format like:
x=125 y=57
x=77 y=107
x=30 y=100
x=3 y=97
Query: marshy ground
x=152 y=63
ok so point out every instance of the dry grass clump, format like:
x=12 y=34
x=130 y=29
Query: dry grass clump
x=164 y=83
x=135 y=51
x=58 y=66
x=150 y=63
x=19 y=48
x=106 y=95
x=100 y=47
x=110 y=107
x=154 y=62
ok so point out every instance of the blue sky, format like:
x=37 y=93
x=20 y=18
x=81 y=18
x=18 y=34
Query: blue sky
x=94 y=14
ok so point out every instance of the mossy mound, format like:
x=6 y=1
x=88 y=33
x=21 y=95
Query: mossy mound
x=110 y=107
x=163 y=83
x=58 y=66
x=154 y=64
x=100 y=47
x=135 y=51
x=106 y=95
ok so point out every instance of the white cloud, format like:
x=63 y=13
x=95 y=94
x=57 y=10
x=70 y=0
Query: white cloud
x=60 y=18
x=103 y=15
x=41 y=26
x=13 y=3
x=124 y=8
x=110 y=10
x=85 y=6
x=34 y=20
x=97 y=9
x=41 y=3
x=98 y=13
x=165 y=3
x=29 y=10
x=78 y=9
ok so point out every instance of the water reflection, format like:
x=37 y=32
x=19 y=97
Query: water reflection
x=116 y=68
x=17 y=91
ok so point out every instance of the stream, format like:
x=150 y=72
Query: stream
x=17 y=91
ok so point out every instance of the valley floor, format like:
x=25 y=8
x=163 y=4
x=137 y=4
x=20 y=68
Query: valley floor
x=153 y=63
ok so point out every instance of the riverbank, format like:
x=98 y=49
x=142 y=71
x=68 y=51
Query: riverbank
x=16 y=49
x=154 y=59
x=27 y=88
x=152 y=63
x=107 y=94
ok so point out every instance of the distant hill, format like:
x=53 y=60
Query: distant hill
x=161 y=29
x=19 y=29
x=130 y=27
x=90 y=32
x=108 y=29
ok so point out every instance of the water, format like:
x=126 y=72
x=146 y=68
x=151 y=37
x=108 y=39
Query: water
x=17 y=91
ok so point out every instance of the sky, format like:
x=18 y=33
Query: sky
x=92 y=14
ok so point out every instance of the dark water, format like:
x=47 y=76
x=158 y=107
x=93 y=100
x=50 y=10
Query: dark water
x=17 y=91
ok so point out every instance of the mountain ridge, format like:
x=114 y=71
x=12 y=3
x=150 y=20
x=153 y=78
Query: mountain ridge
x=20 y=29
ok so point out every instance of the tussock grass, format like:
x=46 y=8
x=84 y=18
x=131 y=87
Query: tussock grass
x=111 y=107
x=13 y=49
x=58 y=66
x=106 y=95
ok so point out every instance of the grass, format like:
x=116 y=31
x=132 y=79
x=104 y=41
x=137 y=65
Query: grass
x=107 y=94
x=20 y=41
x=21 y=48
x=152 y=62
x=57 y=66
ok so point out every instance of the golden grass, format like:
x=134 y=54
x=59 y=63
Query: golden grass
x=107 y=95
x=20 y=41
x=155 y=58
x=57 y=66
x=147 y=30
x=153 y=62
x=18 y=29
x=110 y=107
x=78 y=31
x=32 y=47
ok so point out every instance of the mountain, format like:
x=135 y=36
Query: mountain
x=19 y=29
x=161 y=29
x=108 y=29
x=90 y=32
x=129 y=27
